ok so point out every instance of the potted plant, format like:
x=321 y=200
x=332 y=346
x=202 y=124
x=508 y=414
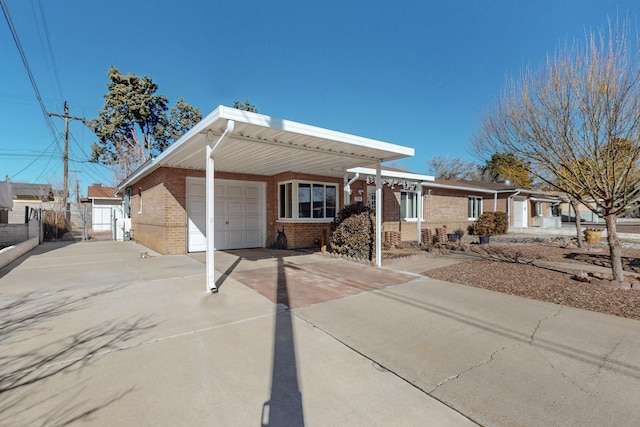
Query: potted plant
x=459 y=232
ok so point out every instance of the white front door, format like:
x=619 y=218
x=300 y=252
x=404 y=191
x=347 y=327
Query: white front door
x=520 y=213
x=239 y=214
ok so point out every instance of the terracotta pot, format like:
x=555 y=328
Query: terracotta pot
x=592 y=236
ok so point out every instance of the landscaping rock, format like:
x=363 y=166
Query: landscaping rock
x=581 y=277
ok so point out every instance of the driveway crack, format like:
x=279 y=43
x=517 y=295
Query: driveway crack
x=532 y=337
x=456 y=376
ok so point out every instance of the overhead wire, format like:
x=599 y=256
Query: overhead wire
x=49 y=49
x=88 y=162
x=35 y=160
x=32 y=80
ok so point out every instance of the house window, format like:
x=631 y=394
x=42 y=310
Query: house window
x=307 y=200
x=475 y=207
x=409 y=205
x=538 y=208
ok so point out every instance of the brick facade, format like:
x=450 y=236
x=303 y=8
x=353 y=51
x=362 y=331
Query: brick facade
x=159 y=213
x=441 y=208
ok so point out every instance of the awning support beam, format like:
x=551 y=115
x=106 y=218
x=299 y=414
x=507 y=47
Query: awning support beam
x=379 y=214
x=210 y=207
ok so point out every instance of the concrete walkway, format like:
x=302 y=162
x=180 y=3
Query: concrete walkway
x=94 y=334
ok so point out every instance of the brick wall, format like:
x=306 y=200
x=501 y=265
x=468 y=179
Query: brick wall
x=441 y=208
x=305 y=234
x=161 y=223
x=299 y=234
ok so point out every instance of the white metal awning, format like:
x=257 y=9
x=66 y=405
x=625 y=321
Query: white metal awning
x=264 y=145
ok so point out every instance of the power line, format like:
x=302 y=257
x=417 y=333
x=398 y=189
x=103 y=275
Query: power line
x=25 y=62
x=47 y=50
x=34 y=160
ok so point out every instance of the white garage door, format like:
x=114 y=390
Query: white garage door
x=239 y=214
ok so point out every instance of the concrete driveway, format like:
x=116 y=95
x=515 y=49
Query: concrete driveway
x=94 y=334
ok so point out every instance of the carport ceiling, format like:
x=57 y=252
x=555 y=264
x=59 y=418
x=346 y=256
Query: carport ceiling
x=264 y=145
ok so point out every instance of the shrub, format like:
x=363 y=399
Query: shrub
x=490 y=224
x=354 y=233
x=348 y=211
x=54 y=224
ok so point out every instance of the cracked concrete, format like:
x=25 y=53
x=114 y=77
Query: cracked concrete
x=499 y=359
x=456 y=376
x=535 y=330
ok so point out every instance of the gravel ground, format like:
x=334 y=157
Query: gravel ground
x=517 y=267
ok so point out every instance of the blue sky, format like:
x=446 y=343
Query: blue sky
x=414 y=73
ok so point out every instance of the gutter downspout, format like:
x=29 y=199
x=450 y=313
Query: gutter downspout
x=210 y=207
x=347 y=188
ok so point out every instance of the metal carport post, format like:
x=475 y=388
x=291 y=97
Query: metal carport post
x=210 y=207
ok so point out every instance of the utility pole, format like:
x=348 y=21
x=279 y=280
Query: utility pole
x=65 y=156
x=77 y=186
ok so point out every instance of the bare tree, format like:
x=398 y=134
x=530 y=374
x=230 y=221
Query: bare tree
x=577 y=120
x=456 y=168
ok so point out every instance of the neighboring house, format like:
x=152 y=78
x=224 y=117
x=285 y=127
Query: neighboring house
x=525 y=208
x=270 y=174
x=106 y=207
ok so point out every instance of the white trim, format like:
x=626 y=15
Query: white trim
x=392 y=174
x=481 y=206
x=295 y=205
x=417 y=206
